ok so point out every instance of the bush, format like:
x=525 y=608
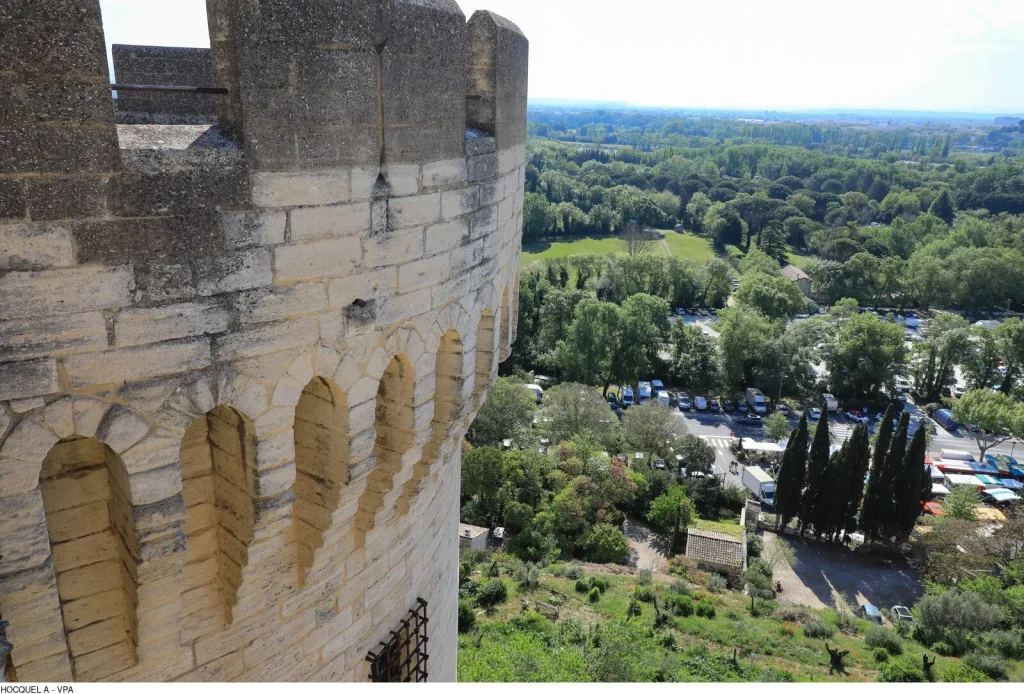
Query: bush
x=680 y=587
x=943 y=648
x=787 y=630
x=1009 y=644
x=605 y=544
x=494 y=592
x=705 y=608
x=574 y=572
x=816 y=628
x=880 y=637
x=992 y=665
x=900 y=670
x=582 y=586
x=846 y=623
x=880 y=655
x=644 y=594
x=599 y=583
x=681 y=565
x=527 y=576
x=679 y=605
x=793 y=614
x=644 y=577
x=755 y=545
x=717 y=583
x=955 y=614
x=634 y=609
x=959 y=672
x=594 y=595
x=467 y=617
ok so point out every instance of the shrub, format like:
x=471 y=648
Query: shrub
x=954 y=613
x=669 y=641
x=571 y=631
x=787 y=630
x=599 y=583
x=582 y=586
x=846 y=623
x=816 y=628
x=527 y=576
x=705 y=608
x=763 y=608
x=1009 y=644
x=880 y=637
x=558 y=571
x=960 y=672
x=574 y=572
x=494 y=592
x=943 y=648
x=644 y=593
x=606 y=544
x=755 y=545
x=680 y=587
x=594 y=595
x=644 y=577
x=881 y=655
x=992 y=665
x=634 y=609
x=793 y=614
x=679 y=605
x=716 y=583
x=900 y=670
x=467 y=617
x=681 y=565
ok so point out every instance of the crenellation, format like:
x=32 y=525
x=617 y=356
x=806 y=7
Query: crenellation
x=171 y=288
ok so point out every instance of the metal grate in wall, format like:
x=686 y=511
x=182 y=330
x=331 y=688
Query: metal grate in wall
x=403 y=657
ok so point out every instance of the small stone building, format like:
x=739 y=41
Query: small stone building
x=715 y=551
x=800 y=277
x=472 y=536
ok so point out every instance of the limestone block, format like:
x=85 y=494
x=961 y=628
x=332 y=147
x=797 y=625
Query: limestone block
x=422 y=273
x=247 y=395
x=405 y=306
x=88 y=414
x=23 y=538
x=366 y=286
x=287 y=392
x=200 y=393
x=5 y=421
x=273 y=421
x=150 y=454
x=483 y=166
x=300 y=188
x=69 y=290
x=455 y=203
x=276 y=449
x=30 y=441
x=243 y=230
x=137 y=363
x=121 y=429
x=444 y=173
x=302 y=368
x=313 y=223
x=484 y=221
x=26 y=379
x=134 y=327
x=267 y=338
x=26 y=405
x=362 y=416
x=331 y=258
x=446 y=236
x=52 y=336
x=234 y=271
x=35 y=246
x=276 y=303
x=363 y=181
x=392 y=248
x=332 y=327
x=414 y=210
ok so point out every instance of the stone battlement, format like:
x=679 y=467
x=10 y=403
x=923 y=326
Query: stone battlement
x=237 y=359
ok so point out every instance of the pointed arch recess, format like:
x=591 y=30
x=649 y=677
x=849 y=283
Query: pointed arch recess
x=95 y=550
x=321 y=465
x=395 y=428
x=448 y=381
x=505 y=343
x=218 y=471
x=484 y=355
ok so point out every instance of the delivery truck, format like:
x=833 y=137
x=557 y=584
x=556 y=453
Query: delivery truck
x=755 y=400
x=760 y=484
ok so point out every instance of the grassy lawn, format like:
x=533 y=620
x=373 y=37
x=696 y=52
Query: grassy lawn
x=729 y=527
x=801 y=261
x=681 y=245
x=598 y=641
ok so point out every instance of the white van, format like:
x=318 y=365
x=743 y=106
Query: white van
x=950 y=454
x=700 y=403
x=537 y=390
x=663 y=398
x=831 y=404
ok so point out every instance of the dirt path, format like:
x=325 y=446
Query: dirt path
x=649 y=550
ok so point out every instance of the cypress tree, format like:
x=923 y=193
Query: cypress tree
x=945 y=146
x=908 y=496
x=871 y=511
x=789 y=487
x=831 y=511
x=942 y=207
x=817 y=466
x=891 y=476
x=860 y=454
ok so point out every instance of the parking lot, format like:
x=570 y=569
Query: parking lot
x=824 y=575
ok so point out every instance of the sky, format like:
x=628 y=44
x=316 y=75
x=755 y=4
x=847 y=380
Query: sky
x=929 y=55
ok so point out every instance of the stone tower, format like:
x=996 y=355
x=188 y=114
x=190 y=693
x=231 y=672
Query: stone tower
x=237 y=358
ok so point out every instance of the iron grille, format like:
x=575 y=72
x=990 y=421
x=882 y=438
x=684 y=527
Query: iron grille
x=403 y=657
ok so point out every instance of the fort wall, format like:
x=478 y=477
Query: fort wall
x=237 y=360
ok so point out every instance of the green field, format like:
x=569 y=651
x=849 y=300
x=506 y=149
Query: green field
x=728 y=527
x=683 y=246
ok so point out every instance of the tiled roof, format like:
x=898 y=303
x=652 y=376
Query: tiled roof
x=714 y=548
x=471 y=531
x=794 y=273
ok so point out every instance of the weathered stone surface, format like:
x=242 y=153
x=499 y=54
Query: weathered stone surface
x=72 y=290
x=24 y=379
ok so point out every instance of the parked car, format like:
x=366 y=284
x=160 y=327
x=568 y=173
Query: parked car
x=728 y=405
x=870 y=613
x=714 y=406
x=899 y=613
x=752 y=419
x=782 y=407
x=857 y=417
x=684 y=402
x=659 y=464
x=701 y=403
x=742 y=406
x=814 y=413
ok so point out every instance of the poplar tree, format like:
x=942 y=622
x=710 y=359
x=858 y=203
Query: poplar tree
x=870 y=512
x=817 y=466
x=945 y=146
x=908 y=499
x=789 y=486
x=860 y=459
x=891 y=476
x=831 y=506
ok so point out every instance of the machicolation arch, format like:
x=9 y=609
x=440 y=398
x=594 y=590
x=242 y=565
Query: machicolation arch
x=242 y=335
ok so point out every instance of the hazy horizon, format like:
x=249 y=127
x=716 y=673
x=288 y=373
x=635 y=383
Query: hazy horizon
x=789 y=55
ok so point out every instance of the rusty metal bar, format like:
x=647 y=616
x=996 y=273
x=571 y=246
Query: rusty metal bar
x=167 y=88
